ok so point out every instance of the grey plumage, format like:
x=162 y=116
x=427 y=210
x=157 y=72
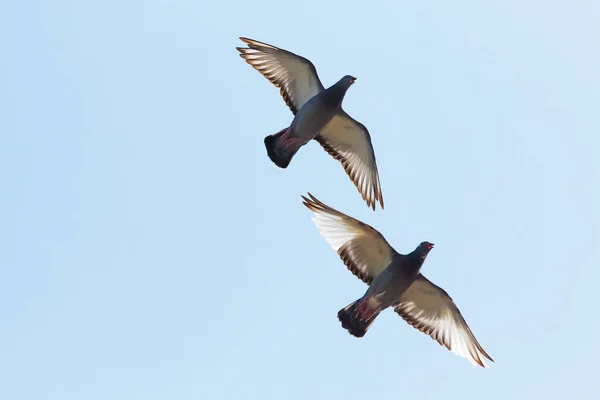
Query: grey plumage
x=394 y=280
x=318 y=115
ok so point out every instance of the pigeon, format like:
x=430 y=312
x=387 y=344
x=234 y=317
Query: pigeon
x=318 y=115
x=394 y=280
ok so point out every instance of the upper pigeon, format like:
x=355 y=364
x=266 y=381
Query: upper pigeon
x=318 y=115
x=394 y=280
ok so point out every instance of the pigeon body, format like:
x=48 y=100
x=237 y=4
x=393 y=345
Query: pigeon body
x=308 y=122
x=394 y=280
x=318 y=115
x=385 y=290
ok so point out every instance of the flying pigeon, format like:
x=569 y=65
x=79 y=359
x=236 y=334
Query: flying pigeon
x=394 y=280
x=318 y=115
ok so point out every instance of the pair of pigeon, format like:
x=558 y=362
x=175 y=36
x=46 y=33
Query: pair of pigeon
x=394 y=279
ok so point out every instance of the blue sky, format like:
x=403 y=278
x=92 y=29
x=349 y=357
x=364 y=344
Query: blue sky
x=149 y=249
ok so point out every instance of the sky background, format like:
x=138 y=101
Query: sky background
x=149 y=249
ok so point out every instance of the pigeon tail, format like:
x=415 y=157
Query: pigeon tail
x=281 y=150
x=357 y=318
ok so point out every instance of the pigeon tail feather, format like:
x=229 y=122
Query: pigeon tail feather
x=354 y=318
x=279 y=153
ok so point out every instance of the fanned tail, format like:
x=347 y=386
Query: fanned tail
x=280 y=155
x=356 y=319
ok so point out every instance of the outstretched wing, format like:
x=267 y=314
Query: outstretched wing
x=348 y=141
x=295 y=76
x=362 y=248
x=430 y=309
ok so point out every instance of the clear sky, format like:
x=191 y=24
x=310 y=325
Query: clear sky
x=149 y=249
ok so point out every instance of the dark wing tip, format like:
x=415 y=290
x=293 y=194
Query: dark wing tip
x=485 y=354
x=305 y=198
x=317 y=205
x=310 y=204
x=242 y=52
x=378 y=190
x=256 y=44
x=305 y=201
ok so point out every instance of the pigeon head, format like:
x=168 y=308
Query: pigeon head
x=343 y=84
x=338 y=91
x=423 y=249
x=348 y=80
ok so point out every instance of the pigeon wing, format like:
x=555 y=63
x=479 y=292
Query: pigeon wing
x=295 y=76
x=348 y=141
x=430 y=309
x=363 y=249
